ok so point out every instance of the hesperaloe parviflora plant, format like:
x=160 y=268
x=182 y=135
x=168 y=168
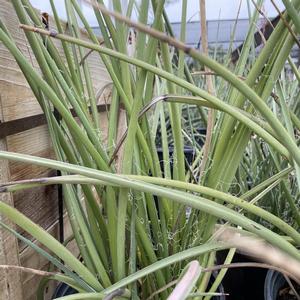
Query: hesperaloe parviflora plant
x=153 y=218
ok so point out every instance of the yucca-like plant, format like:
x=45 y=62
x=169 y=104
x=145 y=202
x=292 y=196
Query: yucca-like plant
x=146 y=229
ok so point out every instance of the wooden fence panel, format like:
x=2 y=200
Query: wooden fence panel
x=17 y=102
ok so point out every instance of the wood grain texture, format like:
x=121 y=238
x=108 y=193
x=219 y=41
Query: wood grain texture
x=18 y=100
x=29 y=258
x=40 y=205
x=10 y=281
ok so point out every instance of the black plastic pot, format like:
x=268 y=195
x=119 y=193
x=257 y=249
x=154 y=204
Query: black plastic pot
x=63 y=290
x=242 y=283
x=189 y=154
x=274 y=282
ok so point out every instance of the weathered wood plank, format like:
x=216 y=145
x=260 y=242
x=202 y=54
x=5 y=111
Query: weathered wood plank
x=29 y=258
x=40 y=205
x=10 y=283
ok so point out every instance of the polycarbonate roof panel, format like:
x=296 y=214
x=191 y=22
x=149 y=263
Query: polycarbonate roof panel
x=218 y=32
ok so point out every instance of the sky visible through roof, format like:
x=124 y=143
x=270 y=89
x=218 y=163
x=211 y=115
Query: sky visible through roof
x=215 y=9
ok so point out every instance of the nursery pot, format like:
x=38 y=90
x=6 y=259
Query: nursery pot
x=189 y=154
x=63 y=290
x=242 y=283
x=274 y=283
